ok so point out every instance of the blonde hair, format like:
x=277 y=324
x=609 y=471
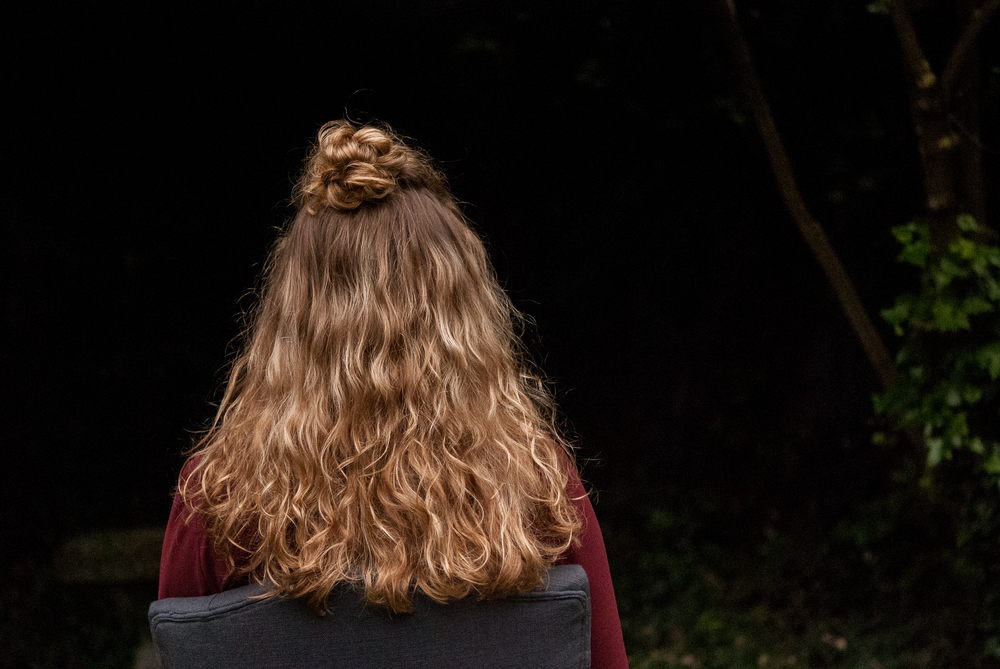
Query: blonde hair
x=382 y=426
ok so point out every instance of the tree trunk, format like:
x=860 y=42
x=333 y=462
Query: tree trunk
x=948 y=138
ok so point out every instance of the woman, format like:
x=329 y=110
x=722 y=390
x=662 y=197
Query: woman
x=381 y=426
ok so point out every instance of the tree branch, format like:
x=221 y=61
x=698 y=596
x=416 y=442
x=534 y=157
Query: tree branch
x=977 y=21
x=809 y=227
x=913 y=55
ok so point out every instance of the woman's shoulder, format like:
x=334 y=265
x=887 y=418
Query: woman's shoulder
x=189 y=566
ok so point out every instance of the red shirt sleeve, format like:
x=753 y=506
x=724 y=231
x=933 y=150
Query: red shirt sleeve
x=189 y=566
x=607 y=647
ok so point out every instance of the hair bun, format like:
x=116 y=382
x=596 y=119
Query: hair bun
x=350 y=166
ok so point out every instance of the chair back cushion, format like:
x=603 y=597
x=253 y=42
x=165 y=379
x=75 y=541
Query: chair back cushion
x=548 y=627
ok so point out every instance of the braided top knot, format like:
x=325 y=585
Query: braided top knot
x=349 y=166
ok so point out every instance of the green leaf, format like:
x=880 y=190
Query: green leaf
x=974 y=304
x=934 y=446
x=953 y=398
x=958 y=429
x=992 y=464
x=967 y=223
x=988 y=358
x=992 y=255
x=904 y=233
x=899 y=313
x=992 y=288
x=984 y=260
x=947 y=271
x=948 y=318
x=915 y=253
x=916 y=242
x=972 y=394
x=964 y=248
x=878 y=7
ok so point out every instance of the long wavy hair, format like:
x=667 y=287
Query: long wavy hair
x=382 y=426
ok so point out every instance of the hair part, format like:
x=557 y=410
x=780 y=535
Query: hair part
x=383 y=426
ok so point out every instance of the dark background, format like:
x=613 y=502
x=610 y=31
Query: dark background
x=603 y=153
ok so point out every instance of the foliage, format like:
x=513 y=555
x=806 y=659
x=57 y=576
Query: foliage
x=882 y=589
x=949 y=360
x=879 y=7
x=903 y=577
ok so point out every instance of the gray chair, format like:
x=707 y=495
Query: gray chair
x=547 y=628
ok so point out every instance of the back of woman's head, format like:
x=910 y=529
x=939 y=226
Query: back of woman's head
x=381 y=426
x=349 y=166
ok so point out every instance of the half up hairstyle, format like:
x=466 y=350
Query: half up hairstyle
x=382 y=426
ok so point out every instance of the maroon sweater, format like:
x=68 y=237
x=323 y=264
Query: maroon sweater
x=190 y=568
